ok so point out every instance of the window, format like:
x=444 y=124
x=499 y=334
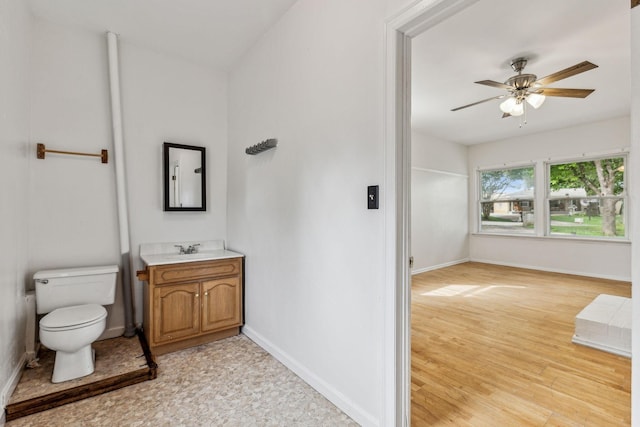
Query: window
x=587 y=198
x=506 y=200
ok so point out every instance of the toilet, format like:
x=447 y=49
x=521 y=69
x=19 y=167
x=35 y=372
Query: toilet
x=73 y=300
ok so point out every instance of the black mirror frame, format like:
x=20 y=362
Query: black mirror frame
x=165 y=161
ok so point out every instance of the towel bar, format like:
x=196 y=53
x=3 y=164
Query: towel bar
x=41 y=150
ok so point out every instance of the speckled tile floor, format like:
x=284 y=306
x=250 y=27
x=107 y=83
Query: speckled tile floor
x=232 y=382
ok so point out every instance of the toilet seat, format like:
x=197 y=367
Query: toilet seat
x=73 y=317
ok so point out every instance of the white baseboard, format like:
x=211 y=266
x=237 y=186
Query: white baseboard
x=334 y=396
x=436 y=267
x=553 y=270
x=601 y=346
x=11 y=384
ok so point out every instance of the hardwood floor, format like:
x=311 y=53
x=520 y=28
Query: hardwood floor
x=491 y=346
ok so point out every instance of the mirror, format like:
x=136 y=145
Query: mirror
x=184 y=177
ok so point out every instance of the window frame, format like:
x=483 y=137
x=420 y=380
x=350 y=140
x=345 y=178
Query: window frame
x=480 y=200
x=624 y=196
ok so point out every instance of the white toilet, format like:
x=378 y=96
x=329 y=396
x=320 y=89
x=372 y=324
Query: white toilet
x=74 y=300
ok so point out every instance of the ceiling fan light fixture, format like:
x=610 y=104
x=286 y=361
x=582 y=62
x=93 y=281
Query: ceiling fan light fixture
x=508 y=105
x=517 y=109
x=512 y=106
x=535 y=100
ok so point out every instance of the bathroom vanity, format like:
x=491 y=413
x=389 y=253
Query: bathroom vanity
x=190 y=298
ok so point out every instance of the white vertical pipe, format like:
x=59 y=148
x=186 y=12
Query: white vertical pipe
x=121 y=188
x=30 y=330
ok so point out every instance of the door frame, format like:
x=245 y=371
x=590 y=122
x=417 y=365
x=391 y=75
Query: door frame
x=400 y=29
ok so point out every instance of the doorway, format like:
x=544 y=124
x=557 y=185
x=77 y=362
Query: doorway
x=413 y=22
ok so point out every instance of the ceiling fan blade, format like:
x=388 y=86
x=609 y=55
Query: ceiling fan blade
x=478 y=102
x=569 y=93
x=567 y=72
x=505 y=115
x=493 y=83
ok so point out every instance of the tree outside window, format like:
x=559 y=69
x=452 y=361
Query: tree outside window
x=587 y=198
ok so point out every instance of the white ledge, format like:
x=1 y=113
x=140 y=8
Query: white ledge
x=168 y=253
x=558 y=238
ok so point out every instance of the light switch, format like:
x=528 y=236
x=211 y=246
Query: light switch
x=372 y=197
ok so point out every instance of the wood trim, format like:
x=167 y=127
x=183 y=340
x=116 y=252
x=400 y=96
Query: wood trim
x=53 y=400
x=59 y=398
x=175 y=273
x=634 y=3
x=148 y=356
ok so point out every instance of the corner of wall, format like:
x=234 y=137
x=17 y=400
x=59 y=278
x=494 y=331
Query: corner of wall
x=15 y=43
x=11 y=383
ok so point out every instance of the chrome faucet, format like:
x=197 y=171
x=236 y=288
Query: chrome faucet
x=191 y=249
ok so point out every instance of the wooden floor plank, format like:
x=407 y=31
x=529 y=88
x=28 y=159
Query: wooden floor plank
x=491 y=345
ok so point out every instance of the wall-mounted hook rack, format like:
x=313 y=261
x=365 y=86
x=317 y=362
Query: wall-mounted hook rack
x=41 y=150
x=263 y=146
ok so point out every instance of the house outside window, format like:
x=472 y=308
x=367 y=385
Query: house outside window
x=506 y=202
x=587 y=198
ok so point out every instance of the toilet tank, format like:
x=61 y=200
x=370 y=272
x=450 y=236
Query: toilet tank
x=74 y=286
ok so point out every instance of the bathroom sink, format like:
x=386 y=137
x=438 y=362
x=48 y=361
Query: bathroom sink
x=171 y=258
x=186 y=256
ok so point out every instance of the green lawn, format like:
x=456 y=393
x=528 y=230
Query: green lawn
x=590 y=227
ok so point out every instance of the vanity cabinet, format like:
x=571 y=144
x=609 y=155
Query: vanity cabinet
x=191 y=303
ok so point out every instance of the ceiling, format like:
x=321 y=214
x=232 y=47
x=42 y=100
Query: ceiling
x=214 y=33
x=479 y=43
x=476 y=44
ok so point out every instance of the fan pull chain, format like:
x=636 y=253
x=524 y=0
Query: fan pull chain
x=524 y=108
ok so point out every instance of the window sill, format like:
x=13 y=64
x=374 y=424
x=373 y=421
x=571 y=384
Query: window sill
x=621 y=240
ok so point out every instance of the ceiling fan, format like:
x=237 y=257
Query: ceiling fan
x=527 y=87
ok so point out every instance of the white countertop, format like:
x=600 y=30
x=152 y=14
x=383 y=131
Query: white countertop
x=167 y=253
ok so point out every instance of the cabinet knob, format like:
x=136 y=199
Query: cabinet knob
x=197 y=295
x=206 y=293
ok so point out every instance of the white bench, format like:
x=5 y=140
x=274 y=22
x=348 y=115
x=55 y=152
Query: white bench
x=605 y=324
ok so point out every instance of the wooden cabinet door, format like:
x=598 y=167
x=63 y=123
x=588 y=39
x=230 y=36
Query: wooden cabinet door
x=221 y=303
x=176 y=311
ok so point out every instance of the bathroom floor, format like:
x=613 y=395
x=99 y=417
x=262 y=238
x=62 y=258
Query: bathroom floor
x=119 y=362
x=232 y=382
x=113 y=357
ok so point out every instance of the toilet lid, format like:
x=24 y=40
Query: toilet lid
x=72 y=317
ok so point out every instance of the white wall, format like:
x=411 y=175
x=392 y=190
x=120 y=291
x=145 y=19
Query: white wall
x=611 y=259
x=439 y=203
x=315 y=254
x=164 y=99
x=15 y=43
x=74 y=219
x=428 y=152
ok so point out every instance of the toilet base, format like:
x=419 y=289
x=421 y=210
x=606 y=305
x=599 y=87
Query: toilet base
x=69 y=366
